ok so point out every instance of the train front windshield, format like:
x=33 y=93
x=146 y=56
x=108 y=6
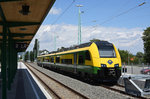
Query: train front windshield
x=106 y=50
x=107 y=53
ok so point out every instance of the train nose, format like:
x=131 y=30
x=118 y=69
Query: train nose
x=109 y=62
x=112 y=72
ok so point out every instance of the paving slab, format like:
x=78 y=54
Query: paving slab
x=25 y=86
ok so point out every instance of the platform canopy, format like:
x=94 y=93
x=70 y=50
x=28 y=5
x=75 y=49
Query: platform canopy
x=23 y=18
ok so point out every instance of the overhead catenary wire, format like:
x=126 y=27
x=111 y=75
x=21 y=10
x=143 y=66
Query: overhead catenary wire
x=122 y=6
x=63 y=12
x=94 y=27
x=54 y=22
x=121 y=13
x=110 y=16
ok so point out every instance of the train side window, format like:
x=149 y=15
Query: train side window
x=57 y=59
x=49 y=59
x=66 y=61
x=46 y=59
x=62 y=61
x=87 y=55
x=69 y=61
x=52 y=59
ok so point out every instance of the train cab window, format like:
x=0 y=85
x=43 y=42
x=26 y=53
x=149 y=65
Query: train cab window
x=57 y=59
x=107 y=53
x=106 y=50
x=87 y=55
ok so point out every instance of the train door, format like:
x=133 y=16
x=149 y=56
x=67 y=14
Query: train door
x=81 y=58
x=75 y=62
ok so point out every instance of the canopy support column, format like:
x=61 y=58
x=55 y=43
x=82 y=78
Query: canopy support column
x=9 y=61
x=4 y=64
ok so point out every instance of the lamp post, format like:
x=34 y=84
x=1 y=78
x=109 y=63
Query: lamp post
x=79 y=24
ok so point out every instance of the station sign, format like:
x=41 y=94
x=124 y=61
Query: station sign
x=21 y=46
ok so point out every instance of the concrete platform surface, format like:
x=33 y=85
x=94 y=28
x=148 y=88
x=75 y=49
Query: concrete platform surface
x=25 y=86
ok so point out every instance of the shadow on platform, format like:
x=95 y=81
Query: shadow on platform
x=23 y=87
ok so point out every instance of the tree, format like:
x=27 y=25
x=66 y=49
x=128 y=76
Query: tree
x=146 y=40
x=139 y=54
x=140 y=57
x=126 y=56
x=36 y=48
x=31 y=56
x=123 y=55
x=26 y=56
x=136 y=60
x=94 y=40
x=61 y=49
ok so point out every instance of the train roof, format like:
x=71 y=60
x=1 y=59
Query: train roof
x=82 y=46
x=73 y=47
x=66 y=52
x=103 y=43
x=78 y=48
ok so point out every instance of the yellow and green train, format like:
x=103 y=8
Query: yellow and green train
x=98 y=60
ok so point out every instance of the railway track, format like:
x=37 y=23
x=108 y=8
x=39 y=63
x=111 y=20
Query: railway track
x=116 y=88
x=55 y=88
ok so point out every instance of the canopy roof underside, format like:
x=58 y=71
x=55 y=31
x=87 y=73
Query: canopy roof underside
x=22 y=27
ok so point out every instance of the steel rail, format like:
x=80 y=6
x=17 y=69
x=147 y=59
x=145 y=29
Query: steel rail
x=43 y=83
x=59 y=97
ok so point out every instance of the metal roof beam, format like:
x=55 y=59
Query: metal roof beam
x=9 y=0
x=2 y=14
x=21 y=40
x=17 y=24
x=19 y=34
x=22 y=34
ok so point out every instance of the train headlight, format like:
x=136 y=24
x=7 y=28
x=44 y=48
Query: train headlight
x=103 y=65
x=116 y=65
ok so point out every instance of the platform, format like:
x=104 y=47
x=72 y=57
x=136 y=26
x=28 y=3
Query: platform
x=25 y=86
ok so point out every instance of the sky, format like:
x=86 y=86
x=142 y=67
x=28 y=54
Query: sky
x=121 y=22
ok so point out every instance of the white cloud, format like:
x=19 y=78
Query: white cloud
x=55 y=11
x=129 y=43
x=67 y=35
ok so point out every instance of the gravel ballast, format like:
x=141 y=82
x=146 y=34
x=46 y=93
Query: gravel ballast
x=91 y=91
